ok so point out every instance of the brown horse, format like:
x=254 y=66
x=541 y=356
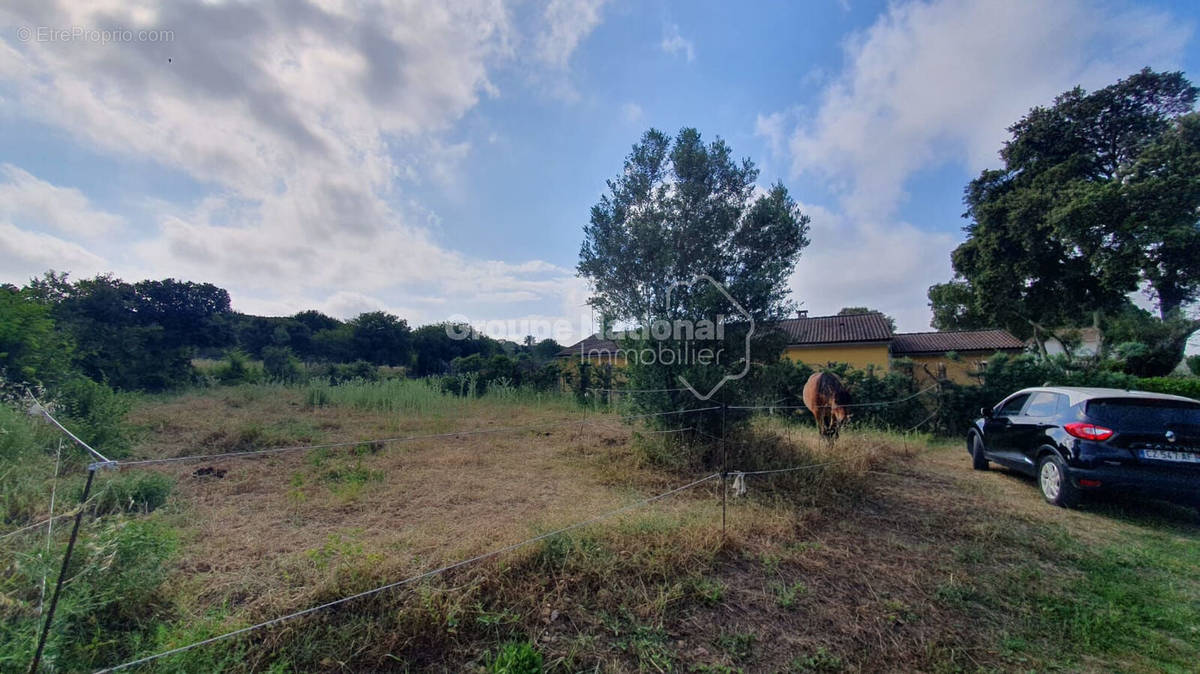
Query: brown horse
x=827 y=399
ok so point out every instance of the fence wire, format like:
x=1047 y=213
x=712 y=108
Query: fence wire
x=411 y=579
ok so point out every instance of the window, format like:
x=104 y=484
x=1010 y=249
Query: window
x=1013 y=406
x=1144 y=413
x=1044 y=404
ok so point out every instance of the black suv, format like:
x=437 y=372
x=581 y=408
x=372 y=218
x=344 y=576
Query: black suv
x=1075 y=440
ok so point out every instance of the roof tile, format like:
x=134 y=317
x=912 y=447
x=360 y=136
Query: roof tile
x=966 y=340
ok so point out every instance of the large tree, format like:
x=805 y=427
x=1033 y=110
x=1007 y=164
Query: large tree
x=1099 y=197
x=678 y=209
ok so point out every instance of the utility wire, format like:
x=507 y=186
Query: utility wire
x=406 y=581
x=39 y=408
x=802 y=407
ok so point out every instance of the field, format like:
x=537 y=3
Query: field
x=896 y=558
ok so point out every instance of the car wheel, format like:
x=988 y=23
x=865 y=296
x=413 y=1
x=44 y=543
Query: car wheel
x=1055 y=483
x=978 y=459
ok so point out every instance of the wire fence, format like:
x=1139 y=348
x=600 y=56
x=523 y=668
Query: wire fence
x=412 y=579
x=103 y=462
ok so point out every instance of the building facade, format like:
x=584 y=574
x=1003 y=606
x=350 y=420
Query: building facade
x=861 y=340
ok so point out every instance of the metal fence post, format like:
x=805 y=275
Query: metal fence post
x=62 y=574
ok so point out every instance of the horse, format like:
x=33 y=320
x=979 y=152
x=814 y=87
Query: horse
x=827 y=399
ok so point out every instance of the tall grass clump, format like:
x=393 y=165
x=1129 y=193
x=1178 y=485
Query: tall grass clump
x=414 y=396
x=112 y=604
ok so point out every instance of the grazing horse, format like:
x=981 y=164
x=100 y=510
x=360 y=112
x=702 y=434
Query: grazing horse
x=827 y=399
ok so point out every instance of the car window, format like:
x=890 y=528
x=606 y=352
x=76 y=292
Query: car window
x=1127 y=413
x=1044 y=404
x=1012 y=407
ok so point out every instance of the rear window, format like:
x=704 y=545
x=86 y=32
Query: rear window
x=1143 y=413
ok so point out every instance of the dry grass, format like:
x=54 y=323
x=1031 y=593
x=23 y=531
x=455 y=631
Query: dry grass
x=883 y=560
x=287 y=531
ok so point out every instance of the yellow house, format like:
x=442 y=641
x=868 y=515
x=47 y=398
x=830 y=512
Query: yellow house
x=952 y=355
x=861 y=340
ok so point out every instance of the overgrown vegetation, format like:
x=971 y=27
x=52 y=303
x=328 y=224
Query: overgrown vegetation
x=162 y=566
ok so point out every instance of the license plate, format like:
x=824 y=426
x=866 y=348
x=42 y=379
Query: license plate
x=1166 y=455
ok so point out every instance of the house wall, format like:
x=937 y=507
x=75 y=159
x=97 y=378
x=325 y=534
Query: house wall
x=857 y=355
x=958 y=371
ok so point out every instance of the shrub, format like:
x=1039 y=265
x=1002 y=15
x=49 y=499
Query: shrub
x=96 y=414
x=237 y=370
x=137 y=492
x=281 y=365
x=518 y=657
x=359 y=369
x=110 y=608
x=1180 y=386
x=1193 y=364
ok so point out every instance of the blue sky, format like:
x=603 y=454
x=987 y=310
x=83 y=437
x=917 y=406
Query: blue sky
x=440 y=161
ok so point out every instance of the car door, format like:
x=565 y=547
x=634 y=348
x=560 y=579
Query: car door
x=997 y=428
x=1028 y=427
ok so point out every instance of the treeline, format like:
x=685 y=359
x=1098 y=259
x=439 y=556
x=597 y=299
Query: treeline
x=144 y=336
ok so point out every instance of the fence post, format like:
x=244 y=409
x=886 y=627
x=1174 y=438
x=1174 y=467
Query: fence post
x=724 y=470
x=62 y=574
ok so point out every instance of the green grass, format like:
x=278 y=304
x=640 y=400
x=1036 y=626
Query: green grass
x=518 y=657
x=423 y=396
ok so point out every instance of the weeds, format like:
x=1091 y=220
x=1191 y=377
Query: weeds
x=786 y=596
x=519 y=657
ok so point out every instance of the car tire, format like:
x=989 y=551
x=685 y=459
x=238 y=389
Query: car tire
x=1054 y=482
x=978 y=458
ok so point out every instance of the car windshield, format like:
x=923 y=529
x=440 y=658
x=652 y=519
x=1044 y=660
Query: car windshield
x=1130 y=413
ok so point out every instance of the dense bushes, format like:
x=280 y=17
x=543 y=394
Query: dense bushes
x=1180 y=386
x=953 y=406
x=475 y=375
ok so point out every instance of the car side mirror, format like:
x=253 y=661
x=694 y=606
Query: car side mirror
x=985 y=412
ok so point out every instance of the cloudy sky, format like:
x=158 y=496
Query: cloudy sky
x=439 y=159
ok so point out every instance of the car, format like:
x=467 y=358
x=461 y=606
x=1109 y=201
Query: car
x=1077 y=440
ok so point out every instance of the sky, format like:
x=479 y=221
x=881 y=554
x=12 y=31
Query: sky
x=439 y=160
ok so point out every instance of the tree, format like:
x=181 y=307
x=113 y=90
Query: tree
x=381 y=338
x=32 y=351
x=185 y=310
x=852 y=311
x=681 y=208
x=1098 y=197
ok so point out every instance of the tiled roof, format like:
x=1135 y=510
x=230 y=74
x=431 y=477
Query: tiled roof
x=871 y=327
x=967 y=340
x=593 y=343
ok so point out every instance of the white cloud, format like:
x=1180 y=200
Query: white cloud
x=675 y=44
x=632 y=113
x=28 y=200
x=25 y=255
x=564 y=24
x=887 y=267
x=941 y=81
x=931 y=83
x=567 y=22
x=300 y=118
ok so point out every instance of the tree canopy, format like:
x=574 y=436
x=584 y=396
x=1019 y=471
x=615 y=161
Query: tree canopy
x=1099 y=197
x=682 y=208
x=852 y=311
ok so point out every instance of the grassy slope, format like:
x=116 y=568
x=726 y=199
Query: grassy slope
x=890 y=563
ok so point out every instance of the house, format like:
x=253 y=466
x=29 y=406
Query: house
x=952 y=355
x=858 y=339
x=1080 y=342
x=861 y=340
